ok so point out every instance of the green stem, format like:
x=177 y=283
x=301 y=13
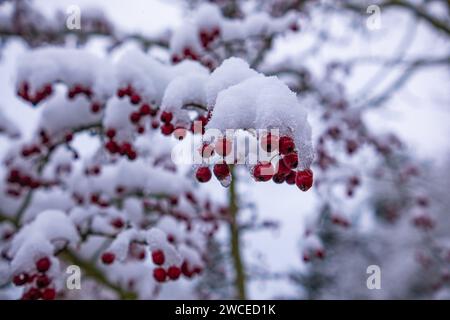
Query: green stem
x=235 y=239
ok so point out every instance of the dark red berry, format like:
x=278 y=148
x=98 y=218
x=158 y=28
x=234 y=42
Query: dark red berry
x=263 y=171
x=145 y=110
x=167 y=129
x=117 y=223
x=166 y=117
x=159 y=274
x=108 y=257
x=174 y=272
x=221 y=170
x=223 y=146
x=304 y=179
x=48 y=294
x=135 y=117
x=42 y=281
x=20 y=279
x=269 y=142
x=290 y=178
x=291 y=160
x=287 y=145
x=43 y=264
x=135 y=98
x=203 y=174
x=158 y=257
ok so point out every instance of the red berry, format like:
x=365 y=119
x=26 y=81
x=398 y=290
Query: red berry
x=167 y=129
x=304 y=179
x=290 y=178
x=117 y=223
x=43 y=264
x=108 y=257
x=166 y=117
x=121 y=92
x=32 y=294
x=206 y=150
x=221 y=170
x=180 y=133
x=263 y=171
x=20 y=279
x=95 y=107
x=42 y=281
x=203 y=174
x=112 y=147
x=159 y=274
x=111 y=133
x=291 y=160
x=174 y=272
x=49 y=294
x=145 y=110
x=135 y=117
x=278 y=178
x=223 y=146
x=135 y=98
x=269 y=142
x=287 y=145
x=185 y=269
x=282 y=169
x=158 y=257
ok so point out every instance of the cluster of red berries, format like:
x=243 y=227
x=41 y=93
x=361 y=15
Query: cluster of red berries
x=39 y=285
x=114 y=147
x=208 y=36
x=38 y=96
x=19 y=180
x=160 y=274
x=79 y=89
x=188 y=53
x=423 y=221
x=264 y=170
x=130 y=92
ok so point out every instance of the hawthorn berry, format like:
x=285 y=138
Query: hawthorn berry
x=223 y=146
x=263 y=171
x=48 y=294
x=174 y=272
x=145 y=110
x=158 y=257
x=166 y=117
x=117 y=223
x=135 y=117
x=135 y=98
x=43 y=264
x=167 y=129
x=278 y=178
x=286 y=145
x=291 y=160
x=159 y=274
x=203 y=174
x=111 y=133
x=304 y=179
x=221 y=170
x=180 y=133
x=32 y=294
x=206 y=150
x=42 y=281
x=108 y=257
x=290 y=178
x=269 y=142
x=20 y=279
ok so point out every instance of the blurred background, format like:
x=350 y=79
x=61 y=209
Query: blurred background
x=374 y=77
